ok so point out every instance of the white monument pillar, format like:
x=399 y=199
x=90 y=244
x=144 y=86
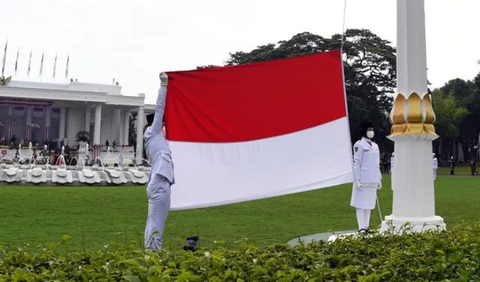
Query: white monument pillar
x=63 y=119
x=98 y=124
x=140 y=118
x=126 y=127
x=412 y=119
x=87 y=118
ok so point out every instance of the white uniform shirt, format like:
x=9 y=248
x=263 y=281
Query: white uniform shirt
x=435 y=163
x=157 y=148
x=366 y=162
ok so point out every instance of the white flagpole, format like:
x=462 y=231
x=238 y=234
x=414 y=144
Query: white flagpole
x=54 y=67
x=66 y=68
x=16 y=62
x=41 y=66
x=4 y=59
x=29 y=65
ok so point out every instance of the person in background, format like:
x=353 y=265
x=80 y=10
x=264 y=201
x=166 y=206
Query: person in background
x=452 y=166
x=367 y=175
x=473 y=162
x=388 y=162
x=149 y=123
x=161 y=174
x=435 y=167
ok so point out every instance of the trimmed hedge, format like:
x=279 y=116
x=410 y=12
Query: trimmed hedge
x=452 y=255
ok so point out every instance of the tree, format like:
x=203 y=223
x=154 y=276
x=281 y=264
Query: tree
x=467 y=95
x=449 y=114
x=461 y=89
x=369 y=70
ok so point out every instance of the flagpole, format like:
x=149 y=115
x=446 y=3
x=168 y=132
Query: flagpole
x=16 y=62
x=66 y=68
x=29 y=65
x=54 y=67
x=4 y=58
x=41 y=67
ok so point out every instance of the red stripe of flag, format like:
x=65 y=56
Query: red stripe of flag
x=255 y=101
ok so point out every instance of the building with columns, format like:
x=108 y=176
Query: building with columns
x=53 y=114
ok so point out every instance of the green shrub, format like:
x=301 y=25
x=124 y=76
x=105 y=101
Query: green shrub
x=452 y=255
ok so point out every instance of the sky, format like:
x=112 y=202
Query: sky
x=133 y=41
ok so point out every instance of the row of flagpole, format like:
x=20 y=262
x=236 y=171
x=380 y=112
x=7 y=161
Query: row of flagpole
x=4 y=61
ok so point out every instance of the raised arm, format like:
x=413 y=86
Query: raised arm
x=156 y=127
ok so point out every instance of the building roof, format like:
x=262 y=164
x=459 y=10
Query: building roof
x=73 y=91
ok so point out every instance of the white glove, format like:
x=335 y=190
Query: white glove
x=379 y=186
x=358 y=184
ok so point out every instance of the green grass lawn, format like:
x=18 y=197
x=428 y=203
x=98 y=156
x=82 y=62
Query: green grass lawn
x=95 y=216
x=459 y=170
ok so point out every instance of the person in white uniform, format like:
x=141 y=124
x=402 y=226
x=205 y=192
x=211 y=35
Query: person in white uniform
x=367 y=176
x=435 y=166
x=161 y=175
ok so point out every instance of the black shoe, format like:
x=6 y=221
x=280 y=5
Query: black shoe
x=363 y=231
x=191 y=244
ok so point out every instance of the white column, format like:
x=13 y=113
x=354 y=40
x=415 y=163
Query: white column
x=120 y=128
x=48 y=116
x=48 y=122
x=126 y=127
x=29 y=115
x=140 y=118
x=98 y=124
x=88 y=112
x=116 y=126
x=63 y=117
x=28 y=123
x=10 y=117
x=413 y=131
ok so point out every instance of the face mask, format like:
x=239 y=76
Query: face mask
x=370 y=134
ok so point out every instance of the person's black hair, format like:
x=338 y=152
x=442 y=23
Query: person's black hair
x=364 y=126
x=150 y=118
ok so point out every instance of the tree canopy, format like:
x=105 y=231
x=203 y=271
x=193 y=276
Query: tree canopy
x=370 y=81
x=457 y=107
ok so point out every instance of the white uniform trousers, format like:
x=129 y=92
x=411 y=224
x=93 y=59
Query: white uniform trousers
x=158 y=192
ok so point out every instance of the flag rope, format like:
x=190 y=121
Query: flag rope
x=343 y=23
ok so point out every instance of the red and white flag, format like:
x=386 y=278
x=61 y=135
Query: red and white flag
x=241 y=133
